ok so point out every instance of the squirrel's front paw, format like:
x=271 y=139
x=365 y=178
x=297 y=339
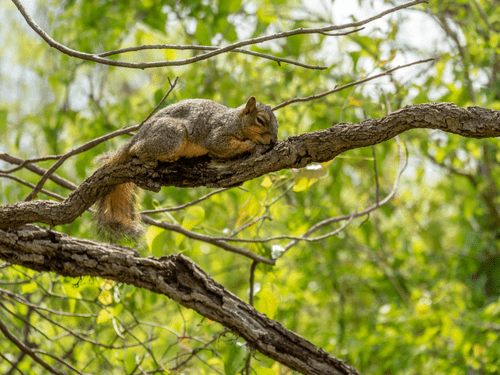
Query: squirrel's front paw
x=262 y=149
x=250 y=145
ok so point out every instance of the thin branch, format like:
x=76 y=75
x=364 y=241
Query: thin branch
x=59 y=360
x=32 y=186
x=13 y=366
x=78 y=150
x=83 y=338
x=341 y=34
x=248 y=225
x=195 y=47
x=194 y=353
x=33 y=160
x=318 y=226
x=295 y=152
x=26 y=322
x=24 y=301
x=172 y=85
x=252 y=281
x=27 y=350
x=39 y=170
x=183 y=206
x=197 y=236
x=337 y=89
x=91 y=144
x=204 y=56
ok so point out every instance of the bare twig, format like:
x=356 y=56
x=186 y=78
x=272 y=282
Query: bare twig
x=39 y=170
x=24 y=301
x=59 y=360
x=252 y=281
x=90 y=145
x=183 y=206
x=204 y=56
x=194 y=352
x=21 y=181
x=172 y=85
x=337 y=89
x=342 y=34
x=214 y=48
x=217 y=242
x=78 y=150
x=25 y=349
x=33 y=160
x=249 y=224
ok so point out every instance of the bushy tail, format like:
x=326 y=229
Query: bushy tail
x=116 y=215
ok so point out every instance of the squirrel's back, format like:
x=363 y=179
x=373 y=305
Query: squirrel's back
x=189 y=128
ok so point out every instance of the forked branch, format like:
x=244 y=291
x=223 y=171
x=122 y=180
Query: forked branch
x=174 y=276
x=295 y=152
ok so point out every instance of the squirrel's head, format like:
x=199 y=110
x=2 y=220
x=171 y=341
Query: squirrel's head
x=259 y=123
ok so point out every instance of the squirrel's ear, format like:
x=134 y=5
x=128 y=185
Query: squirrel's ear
x=250 y=106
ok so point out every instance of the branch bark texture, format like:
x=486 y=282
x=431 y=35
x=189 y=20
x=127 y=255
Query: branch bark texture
x=175 y=276
x=297 y=151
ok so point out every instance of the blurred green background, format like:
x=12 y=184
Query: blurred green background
x=412 y=289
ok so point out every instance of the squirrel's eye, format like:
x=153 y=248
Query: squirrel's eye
x=260 y=121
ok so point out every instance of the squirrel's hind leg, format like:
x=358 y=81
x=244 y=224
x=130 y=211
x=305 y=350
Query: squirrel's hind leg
x=160 y=144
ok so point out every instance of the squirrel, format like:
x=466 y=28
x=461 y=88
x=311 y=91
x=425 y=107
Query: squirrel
x=189 y=128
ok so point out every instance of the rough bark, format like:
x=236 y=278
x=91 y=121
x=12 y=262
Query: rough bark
x=175 y=276
x=295 y=152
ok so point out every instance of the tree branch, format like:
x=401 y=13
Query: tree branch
x=297 y=151
x=25 y=349
x=96 y=58
x=175 y=276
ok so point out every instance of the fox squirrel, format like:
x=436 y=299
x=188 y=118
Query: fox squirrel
x=189 y=128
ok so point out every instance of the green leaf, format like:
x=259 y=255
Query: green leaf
x=159 y=96
x=266 y=302
x=3 y=121
x=194 y=215
x=250 y=209
x=295 y=44
x=303 y=183
x=130 y=364
x=105 y=315
x=155 y=238
x=235 y=359
x=105 y=297
x=202 y=34
x=229 y=6
x=29 y=288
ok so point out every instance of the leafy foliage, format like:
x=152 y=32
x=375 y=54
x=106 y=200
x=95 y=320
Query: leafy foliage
x=413 y=289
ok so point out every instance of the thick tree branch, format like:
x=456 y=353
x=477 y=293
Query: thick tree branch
x=175 y=276
x=295 y=152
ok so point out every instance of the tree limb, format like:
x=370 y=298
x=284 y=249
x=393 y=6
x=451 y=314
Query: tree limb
x=175 y=276
x=296 y=151
x=96 y=58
